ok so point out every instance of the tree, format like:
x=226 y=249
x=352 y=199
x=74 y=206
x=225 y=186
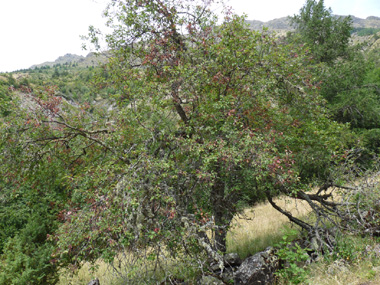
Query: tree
x=345 y=80
x=238 y=96
x=325 y=34
x=351 y=99
x=209 y=118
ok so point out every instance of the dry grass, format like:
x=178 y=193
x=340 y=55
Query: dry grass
x=262 y=226
x=336 y=273
x=132 y=269
x=102 y=271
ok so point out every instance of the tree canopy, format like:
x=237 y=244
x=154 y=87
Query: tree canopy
x=209 y=118
x=326 y=35
x=205 y=119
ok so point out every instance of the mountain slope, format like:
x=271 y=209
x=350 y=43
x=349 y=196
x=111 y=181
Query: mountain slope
x=92 y=59
x=283 y=24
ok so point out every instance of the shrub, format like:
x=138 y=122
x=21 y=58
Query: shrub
x=26 y=257
x=293 y=256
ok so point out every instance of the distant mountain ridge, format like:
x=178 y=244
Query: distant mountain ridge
x=280 y=25
x=283 y=24
x=92 y=59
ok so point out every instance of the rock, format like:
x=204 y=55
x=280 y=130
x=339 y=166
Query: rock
x=94 y=282
x=231 y=262
x=232 y=259
x=258 y=269
x=210 y=280
x=228 y=275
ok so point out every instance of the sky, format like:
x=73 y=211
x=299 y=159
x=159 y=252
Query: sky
x=36 y=31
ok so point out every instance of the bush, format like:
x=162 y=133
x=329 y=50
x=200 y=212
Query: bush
x=372 y=139
x=26 y=257
x=293 y=256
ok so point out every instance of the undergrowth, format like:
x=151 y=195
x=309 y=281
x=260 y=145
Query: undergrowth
x=355 y=259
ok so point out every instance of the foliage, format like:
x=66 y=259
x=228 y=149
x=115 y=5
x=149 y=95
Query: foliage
x=31 y=198
x=204 y=120
x=293 y=258
x=5 y=97
x=348 y=80
x=351 y=87
x=348 y=249
x=327 y=36
x=208 y=121
x=362 y=32
x=73 y=81
x=372 y=139
x=27 y=258
x=361 y=266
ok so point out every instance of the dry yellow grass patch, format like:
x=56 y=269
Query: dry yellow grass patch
x=86 y=273
x=363 y=273
x=262 y=225
x=130 y=267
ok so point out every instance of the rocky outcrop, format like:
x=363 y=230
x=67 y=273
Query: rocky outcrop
x=258 y=269
x=232 y=259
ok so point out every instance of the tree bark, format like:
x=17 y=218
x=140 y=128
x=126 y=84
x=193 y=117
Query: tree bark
x=217 y=202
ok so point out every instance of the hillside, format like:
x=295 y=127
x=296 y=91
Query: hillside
x=92 y=59
x=71 y=74
x=282 y=24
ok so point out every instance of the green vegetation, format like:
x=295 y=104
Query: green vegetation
x=73 y=81
x=345 y=265
x=327 y=36
x=149 y=158
x=295 y=256
x=5 y=98
x=362 y=32
x=348 y=82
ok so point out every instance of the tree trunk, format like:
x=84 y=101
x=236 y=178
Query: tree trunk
x=217 y=202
